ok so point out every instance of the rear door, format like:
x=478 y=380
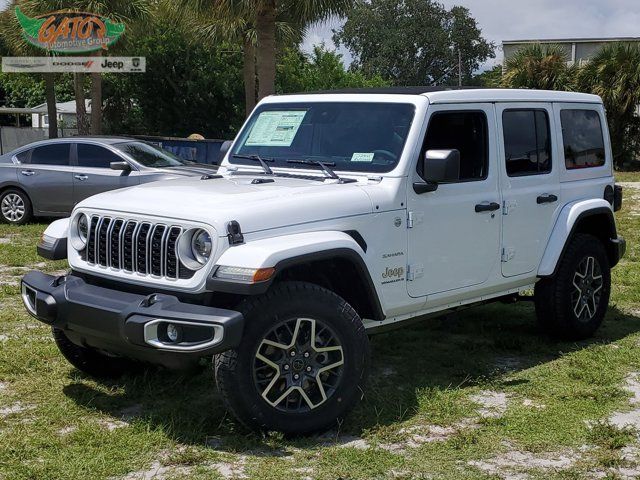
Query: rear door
x=530 y=183
x=48 y=179
x=92 y=172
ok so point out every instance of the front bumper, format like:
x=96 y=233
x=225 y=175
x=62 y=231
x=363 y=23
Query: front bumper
x=128 y=324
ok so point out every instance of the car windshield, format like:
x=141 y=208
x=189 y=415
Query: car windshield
x=348 y=136
x=149 y=155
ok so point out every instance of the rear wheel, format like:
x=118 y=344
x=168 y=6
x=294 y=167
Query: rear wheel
x=91 y=361
x=15 y=207
x=301 y=365
x=572 y=304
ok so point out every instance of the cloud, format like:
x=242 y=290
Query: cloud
x=534 y=19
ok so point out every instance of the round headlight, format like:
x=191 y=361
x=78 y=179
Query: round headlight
x=79 y=231
x=201 y=246
x=83 y=228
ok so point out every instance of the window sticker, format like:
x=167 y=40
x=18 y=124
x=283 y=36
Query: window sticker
x=362 y=157
x=275 y=129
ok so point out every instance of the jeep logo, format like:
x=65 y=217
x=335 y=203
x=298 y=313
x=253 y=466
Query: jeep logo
x=397 y=272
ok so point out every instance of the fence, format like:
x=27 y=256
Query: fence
x=201 y=151
x=15 y=137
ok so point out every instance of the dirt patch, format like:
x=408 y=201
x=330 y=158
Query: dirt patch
x=629 y=418
x=527 y=402
x=514 y=464
x=14 y=409
x=493 y=404
x=158 y=472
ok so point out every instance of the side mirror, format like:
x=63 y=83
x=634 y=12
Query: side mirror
x=439 y=166
x=224 y=148
x=122 y=166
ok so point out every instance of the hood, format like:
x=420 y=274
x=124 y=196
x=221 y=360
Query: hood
x=216 y=201
x=188 y=170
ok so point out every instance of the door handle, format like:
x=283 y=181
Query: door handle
x=487 y=207
x=81 y=177
x=28 y=173
x=546 y=198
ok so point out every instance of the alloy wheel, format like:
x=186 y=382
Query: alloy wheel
x=587 y=283
x=13 y=207
x=298 y=365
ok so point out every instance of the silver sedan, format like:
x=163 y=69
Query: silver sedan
x=50 y=177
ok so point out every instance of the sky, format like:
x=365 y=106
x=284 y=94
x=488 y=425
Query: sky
x=531 y=19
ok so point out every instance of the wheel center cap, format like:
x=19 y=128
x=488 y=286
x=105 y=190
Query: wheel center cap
x=298 y=365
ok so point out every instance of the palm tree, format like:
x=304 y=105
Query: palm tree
x=542 y=67
x=115 y=10
x=264 y=17
x=16 y=45
x=614 y=74
x=232 y=23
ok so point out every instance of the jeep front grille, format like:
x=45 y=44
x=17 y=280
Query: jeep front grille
x=135 y=246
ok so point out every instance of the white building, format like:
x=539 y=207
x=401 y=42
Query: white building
x=66 y=114
x=578 y=50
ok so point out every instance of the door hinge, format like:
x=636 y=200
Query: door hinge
x=415 y=271
x=414 y=218
x=508 y=206
x=507 y=254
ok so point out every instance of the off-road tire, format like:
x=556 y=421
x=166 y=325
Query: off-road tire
x=236 y=371
x=24 y=202
x=91 y=361
x=555 y=297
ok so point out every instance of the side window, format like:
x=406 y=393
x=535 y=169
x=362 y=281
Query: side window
x=95 y=156
x=54 y=154
x=23 y=157
x=583 y=139
x=527 y=142
x=466 y=132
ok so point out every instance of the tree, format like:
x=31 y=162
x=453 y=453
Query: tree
x=200 y=93
x=321 y=70
x=14 y=44
x=264 y=16
x=116 y=10
x=614 y=74
x=542 y=67
x=220 y=23
x=414 y=42
x=488 y=79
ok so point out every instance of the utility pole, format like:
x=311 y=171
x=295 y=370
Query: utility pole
x=459 y=67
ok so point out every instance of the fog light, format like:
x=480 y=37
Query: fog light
x=173 y=333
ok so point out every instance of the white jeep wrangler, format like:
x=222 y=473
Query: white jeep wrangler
x=335 y=215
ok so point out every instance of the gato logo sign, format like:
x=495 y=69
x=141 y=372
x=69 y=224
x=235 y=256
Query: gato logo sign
x=69 y=32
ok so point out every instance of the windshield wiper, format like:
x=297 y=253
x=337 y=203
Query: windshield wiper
x=324 y=165
x=257 y=158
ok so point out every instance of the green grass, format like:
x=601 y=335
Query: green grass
x=559 y=399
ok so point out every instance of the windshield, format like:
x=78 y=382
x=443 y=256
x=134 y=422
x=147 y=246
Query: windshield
x=349 y=136
x=149 y=155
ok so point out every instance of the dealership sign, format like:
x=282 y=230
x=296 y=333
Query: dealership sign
x=69 y=32
x=74 y=64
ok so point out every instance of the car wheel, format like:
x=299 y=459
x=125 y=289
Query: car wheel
x=15 y=207
x=302 y=362
x=572 y=304
x=90 y=361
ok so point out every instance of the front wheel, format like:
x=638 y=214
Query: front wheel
x=572 y=304
x=302 y=362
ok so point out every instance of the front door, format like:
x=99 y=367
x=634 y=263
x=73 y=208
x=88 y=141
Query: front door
x=530 y=185
x=93 y=174
x=455 y=238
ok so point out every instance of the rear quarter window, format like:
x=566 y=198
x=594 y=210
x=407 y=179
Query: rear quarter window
x=583 y=139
